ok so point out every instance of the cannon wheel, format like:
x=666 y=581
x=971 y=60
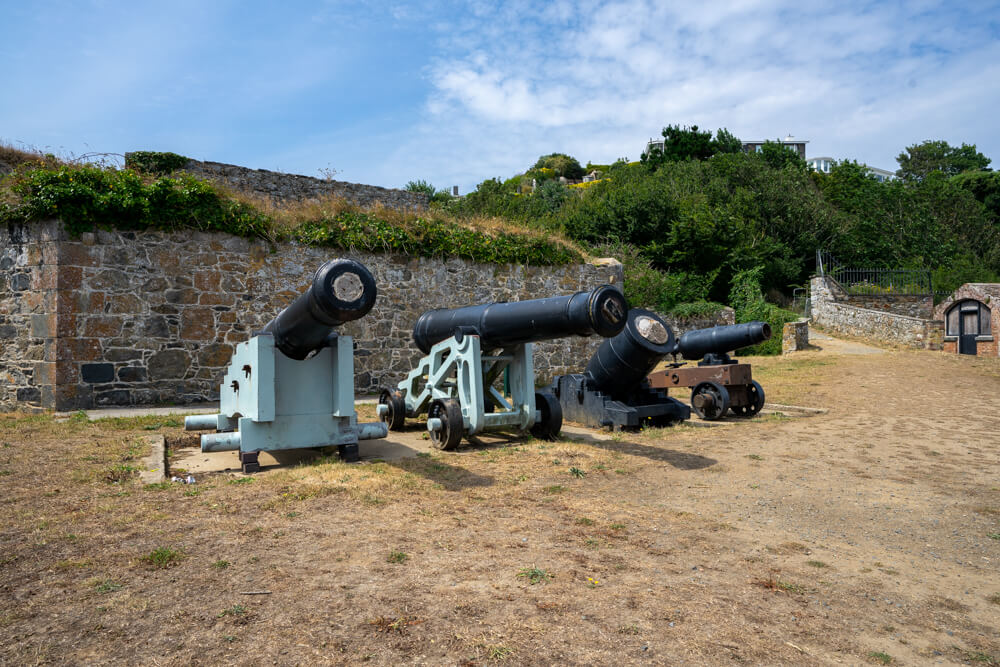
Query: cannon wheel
x=715 y=408
x=396 y=416
x=756 y=394
x=449 y=411
x=550 y=422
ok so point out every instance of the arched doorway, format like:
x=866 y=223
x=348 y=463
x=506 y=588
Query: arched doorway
x=967 y=319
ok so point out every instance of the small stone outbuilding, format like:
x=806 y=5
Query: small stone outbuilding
x=971 y=319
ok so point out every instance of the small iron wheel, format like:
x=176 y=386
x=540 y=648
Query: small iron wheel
x=550 y=416
x=396 y=416
x=755 y=394
x=449 y=411
x=710 y=400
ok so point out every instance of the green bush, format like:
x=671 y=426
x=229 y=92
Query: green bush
x=432 y=238
x=648 y=287
x=84 y=197
x=748 y=301
x=153 y=162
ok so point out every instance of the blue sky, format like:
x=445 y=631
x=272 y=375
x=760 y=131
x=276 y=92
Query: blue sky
x=458 y=92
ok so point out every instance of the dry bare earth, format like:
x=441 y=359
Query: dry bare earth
x=868 y=534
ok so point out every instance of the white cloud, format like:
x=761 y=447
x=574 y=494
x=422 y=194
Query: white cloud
x=596 y=80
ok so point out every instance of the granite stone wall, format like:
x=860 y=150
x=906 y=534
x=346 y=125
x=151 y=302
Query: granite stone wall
x=124 y=318
x=280 y=187
x=830 y=311
x=28 y=305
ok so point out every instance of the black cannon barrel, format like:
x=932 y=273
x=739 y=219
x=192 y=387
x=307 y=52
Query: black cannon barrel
x=722 y=339
x=342 y=290
x=621 y=363
x=601 y=311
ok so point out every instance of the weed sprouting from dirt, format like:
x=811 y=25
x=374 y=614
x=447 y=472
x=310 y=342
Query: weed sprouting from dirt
x=164 y=557
x=628 y=629
x=499 y=652
x=755 y=457
x=221 y=564
x=772 y=583
x=236 y=611
x=576 y=472
x=993 y=536
x=555 y=488
x=534 y=575
x=397 y=625
x=584 y=521
x=242 y=480
x=397 y=557
x=816 y=563
x=994 y=599
x=119 y=473
x=979 y=656
x=880 y=657
x=107 y=586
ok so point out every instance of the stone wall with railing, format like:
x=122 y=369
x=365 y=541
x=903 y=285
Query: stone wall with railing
x=832 y=311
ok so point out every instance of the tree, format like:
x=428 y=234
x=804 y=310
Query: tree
x=562 y=164
x=919 y=160
x=985 y=186
x=681 y=143
x=777 y=155
x=726 y=142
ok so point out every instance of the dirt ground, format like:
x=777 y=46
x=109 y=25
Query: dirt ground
x=866 y=535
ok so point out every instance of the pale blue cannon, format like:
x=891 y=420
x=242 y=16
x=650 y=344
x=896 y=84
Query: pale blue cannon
x=291 y=386
x=470 y=349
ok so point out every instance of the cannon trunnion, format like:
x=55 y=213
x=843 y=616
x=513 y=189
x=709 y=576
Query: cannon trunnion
x=469 y=350
x=613 y=391
x=291 y=386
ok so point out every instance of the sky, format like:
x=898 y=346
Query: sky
x=457 y=92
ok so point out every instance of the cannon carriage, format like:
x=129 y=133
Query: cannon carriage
x=719 y=383
x=291 y=386
x=470 y=350
x=620 y=390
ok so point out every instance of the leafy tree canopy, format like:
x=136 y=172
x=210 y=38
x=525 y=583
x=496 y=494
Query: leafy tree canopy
x=919 y=160
x=562 y=164
x=690 y=143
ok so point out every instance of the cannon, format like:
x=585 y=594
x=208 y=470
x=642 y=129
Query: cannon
x=613 y=391
x=718 y=383
x=291 y=386
x=467 y=352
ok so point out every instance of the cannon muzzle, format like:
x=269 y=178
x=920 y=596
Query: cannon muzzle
x=621 y=363
x=342 y=290
x=721 y=340
x=602 y=311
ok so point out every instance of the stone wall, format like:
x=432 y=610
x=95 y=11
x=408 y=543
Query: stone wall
x=911 y=306
x=28 y=306
x=833 y=313
x=123 y=318
x=280 y=187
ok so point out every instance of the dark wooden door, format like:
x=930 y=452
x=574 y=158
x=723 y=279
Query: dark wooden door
x=968 y=324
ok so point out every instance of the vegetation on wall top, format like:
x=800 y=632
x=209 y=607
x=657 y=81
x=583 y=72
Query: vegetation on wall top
x=154 y=162
x=86 y=197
